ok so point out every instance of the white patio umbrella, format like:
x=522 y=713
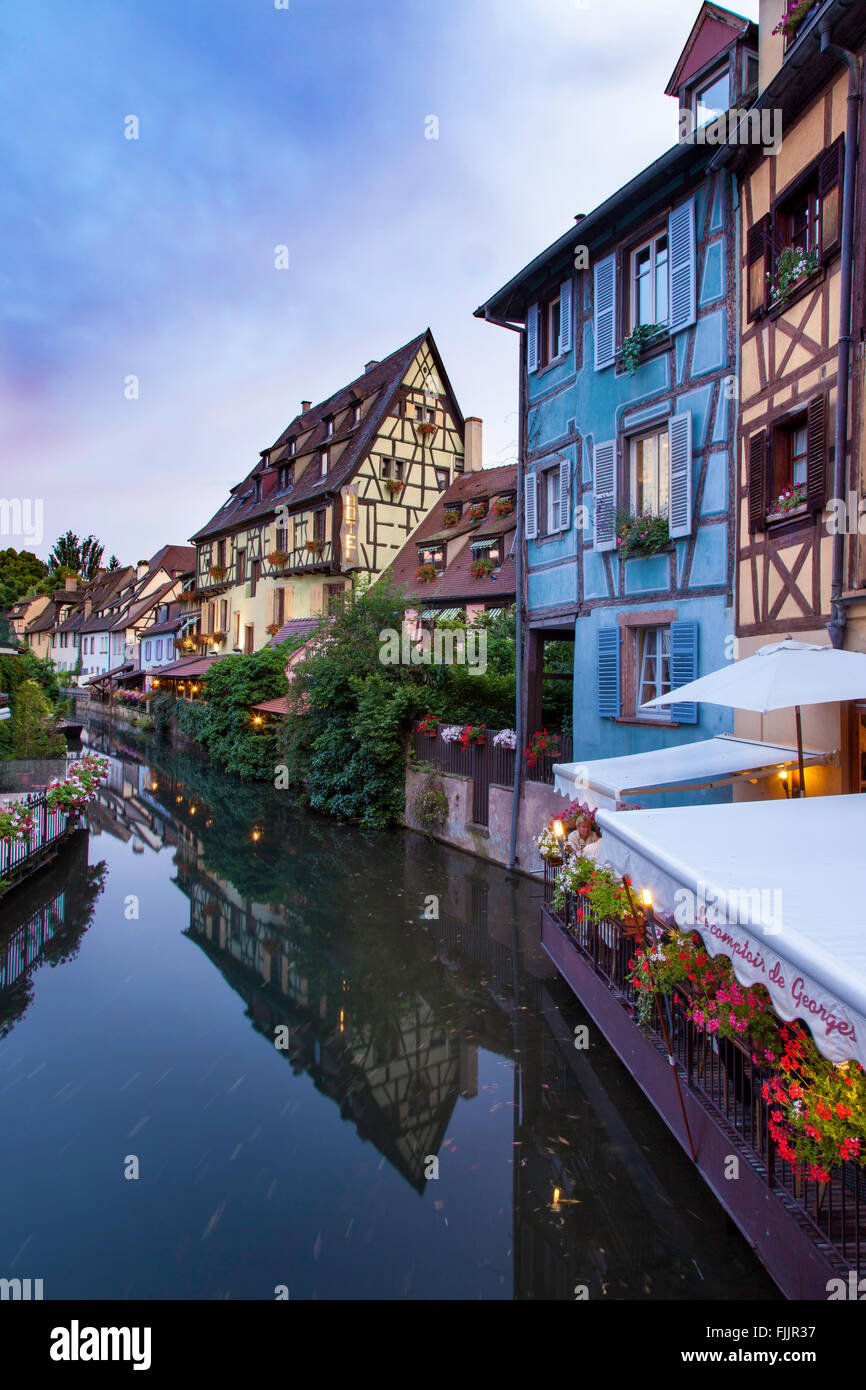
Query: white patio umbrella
x=777 y=676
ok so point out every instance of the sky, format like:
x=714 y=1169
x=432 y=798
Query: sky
x=152 y=343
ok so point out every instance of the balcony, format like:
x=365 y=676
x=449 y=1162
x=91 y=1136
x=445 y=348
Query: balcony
x=314 y=556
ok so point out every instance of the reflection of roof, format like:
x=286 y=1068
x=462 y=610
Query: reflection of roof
x=378 y=386
x=277 y=706
x=295 y=627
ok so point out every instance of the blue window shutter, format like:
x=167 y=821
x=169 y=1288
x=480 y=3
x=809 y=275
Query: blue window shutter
x=565 y=316
x=604 y=288
x=530 y=510
x=604 y=495
x=608 y=647
x=684 y=668
x=532 y=338
x=564 y=494
x=683 y=267
x=680 y=464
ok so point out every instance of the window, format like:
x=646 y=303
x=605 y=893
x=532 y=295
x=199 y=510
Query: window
x=713 y=98
x=549 y=331
x=649 y=474
x=242 y=566
x=255 y=576
x=356 y=416
x=159 y=650
x=221 y=553
x=398 y=469
x=459 y=463
x=750 y=70
x=237 y=641
x=282 y=539
x=791 y=455
x=787 y=466
x=291 y=448
x=329 y=427
x=224 y=612
x=323 y=464
x=419 y=412
x=300 y=533
x=432 y=555
x=652 y=668
x=396 y=407
x=488 y=550
x=286 y=476
x=319 y=525
x=249 y=639
x=258 y=485
x=649 y=282
x=146 y=651
x=279 y=606
x=442 y=478
x=386 y=468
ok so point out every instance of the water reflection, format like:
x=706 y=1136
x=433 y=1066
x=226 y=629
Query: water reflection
x=406 y=982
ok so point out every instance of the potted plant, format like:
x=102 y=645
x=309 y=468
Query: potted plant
x=638 y=536
x=425 y=574
x=637 y=342
x=273 y=628
x=540 y=744
x=472 y=733
x=425 y=427
x=481 y=568
x=503 y=506
x=793 y=18
x=506 y=738
x=278 y=558
x=478 y=510
x=793 y=499
x=429 y=725
x=395 y=486
x=315 y=547
x=792 y=265
x=549 y=846
x=450 y=516
x=218 y=571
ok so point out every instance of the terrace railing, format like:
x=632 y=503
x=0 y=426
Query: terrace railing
x=19 y=856
x=723 y=1075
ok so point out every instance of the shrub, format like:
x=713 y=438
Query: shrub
x=429 y=805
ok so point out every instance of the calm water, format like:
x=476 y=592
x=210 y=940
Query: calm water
x=146 y=981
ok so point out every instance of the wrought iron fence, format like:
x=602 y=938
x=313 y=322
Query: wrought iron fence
x=49 y=825
x=722 y=1073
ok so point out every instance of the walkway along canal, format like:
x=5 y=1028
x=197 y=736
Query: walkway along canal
x=339 y=1062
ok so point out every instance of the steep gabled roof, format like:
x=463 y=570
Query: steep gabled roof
x=714 y=30
x=377 y=387
x=456 y=582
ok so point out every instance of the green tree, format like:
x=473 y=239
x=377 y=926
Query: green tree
x=20 y=571
x=82 y=557
x=34 y=734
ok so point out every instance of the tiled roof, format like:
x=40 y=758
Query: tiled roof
x=310 y=430
x=293 y=628
x=456 y=581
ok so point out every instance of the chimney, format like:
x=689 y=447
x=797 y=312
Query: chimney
x=141 y=568
x=88 y=607
x=368 y=366
x=305 y=405
x=71 y=581
x=771 y=47
x=472 y=444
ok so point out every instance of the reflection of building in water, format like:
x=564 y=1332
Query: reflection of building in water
x=388 y=1061
x=126 y=806
x=45 y=921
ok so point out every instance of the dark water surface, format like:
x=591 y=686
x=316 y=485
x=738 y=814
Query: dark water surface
x=408 y=1039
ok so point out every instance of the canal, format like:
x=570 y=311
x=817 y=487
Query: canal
x=245 y=1049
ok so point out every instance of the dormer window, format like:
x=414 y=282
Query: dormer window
x=323 y=464
x=432 y=555
x=713 y=97
x=258 y=489
x=286 y=476
x=329 y=427
x=356 y=416
x=291 y=448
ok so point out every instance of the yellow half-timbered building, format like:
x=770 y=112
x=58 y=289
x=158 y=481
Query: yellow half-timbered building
x=336 y=496
x=800 y=567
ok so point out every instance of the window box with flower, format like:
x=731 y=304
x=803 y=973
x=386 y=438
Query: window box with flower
x=429 y=725
x=641 y=339
x=639 y=536
x=796 y=12
x=450 y=516
x=478 y=510
x=472 y=733
x=793 y=265
x=542 y=744
x=315 y=547
x=791 y=502
x=482 y=568
x=217 y=572
x=394 y=485
x=425 y=574
x=503 y=506
x=278 y=558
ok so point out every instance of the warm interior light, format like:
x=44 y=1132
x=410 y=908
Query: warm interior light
x=192 y=810
x=646 y=897
x=783 y=774
x=153 y=787
x=178 y=798
x=556 y=1195
x=257 y=719
x=558 y=829
x=256 y=834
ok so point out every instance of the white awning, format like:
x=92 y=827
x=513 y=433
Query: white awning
x=777 y=886
x=712 y=762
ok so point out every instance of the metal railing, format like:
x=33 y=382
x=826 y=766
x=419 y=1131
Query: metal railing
x=722 y=1074
x=49 y=826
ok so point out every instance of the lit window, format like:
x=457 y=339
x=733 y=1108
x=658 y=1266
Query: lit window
x=653 y=668
x=650 y=474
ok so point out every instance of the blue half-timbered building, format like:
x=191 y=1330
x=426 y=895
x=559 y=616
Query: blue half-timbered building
x=628 y=407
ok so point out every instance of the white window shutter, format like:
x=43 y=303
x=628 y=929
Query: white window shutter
x=680 y=457
x=564 y=494
x=683 y=268
x=604 y=495
x=532 y=339
x=565 y=316
x=530 y=511
x=605 y=312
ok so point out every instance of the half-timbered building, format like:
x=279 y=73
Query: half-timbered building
x=628 y=369
x=334 y=497
x=801 y=562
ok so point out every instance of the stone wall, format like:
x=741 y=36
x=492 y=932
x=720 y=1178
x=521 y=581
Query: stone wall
x=538 y=802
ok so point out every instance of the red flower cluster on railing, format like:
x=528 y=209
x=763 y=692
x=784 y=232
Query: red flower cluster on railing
x=429 y=725
x=541 y=742
x=472 y=733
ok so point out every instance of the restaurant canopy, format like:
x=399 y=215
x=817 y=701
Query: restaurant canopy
x=777 y=886
x=711 y=762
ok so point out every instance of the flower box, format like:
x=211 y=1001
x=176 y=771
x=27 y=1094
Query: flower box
x=315 y=547
x=472 y=733
x=503 y=506
x=429 y=726
x=541 y=744
x=425 y=427
x=640 y=341
x=792 y=21
x=217 y=571
x=425 y=574
x=273 y=628
x=478 y=510
x=793 y=265
x=792 y=502
x=450 y=517
x=481 y=569
x=395 y=486
x=640 y=536
x=278 y=558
